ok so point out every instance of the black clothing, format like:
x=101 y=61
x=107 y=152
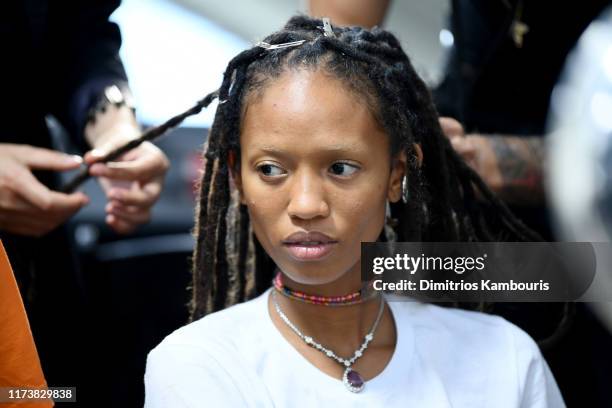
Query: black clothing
x=57 y=57
x=493 y=86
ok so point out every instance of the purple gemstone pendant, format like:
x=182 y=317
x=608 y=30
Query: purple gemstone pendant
x=353 y=380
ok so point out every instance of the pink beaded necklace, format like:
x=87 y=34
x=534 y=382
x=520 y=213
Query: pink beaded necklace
x=344 y=300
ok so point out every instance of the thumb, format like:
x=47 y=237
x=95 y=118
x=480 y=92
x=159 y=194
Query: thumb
x=96 y=154
x=46 y=159
x=451 y=127
x=101 y=151
x=464 y=147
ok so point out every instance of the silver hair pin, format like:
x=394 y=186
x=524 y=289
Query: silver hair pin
x=267 y=46
x=217 y=96
x=328 y=31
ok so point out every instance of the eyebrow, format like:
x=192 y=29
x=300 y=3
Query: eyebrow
x=340 y=148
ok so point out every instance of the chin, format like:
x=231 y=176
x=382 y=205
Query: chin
x=312 y=273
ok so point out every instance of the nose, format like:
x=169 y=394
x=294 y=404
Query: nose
x=307 y=197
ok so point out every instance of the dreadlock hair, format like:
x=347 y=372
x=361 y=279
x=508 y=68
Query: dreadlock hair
x=229 y=265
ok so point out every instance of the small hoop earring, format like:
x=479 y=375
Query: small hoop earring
x=405 y=191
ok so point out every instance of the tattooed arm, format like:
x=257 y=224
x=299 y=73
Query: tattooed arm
x=512 y=166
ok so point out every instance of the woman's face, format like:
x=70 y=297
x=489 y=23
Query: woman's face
x=315 y=173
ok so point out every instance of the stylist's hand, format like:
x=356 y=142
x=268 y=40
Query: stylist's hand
x=476 y=150
x=27 y=207
x=132 y=184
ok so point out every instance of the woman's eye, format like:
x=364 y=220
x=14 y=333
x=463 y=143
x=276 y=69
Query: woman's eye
x=343 y=169
x=270 y=170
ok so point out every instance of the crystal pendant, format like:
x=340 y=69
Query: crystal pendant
x=353 y=380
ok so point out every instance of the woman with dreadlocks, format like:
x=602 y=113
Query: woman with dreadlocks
x=319 y=129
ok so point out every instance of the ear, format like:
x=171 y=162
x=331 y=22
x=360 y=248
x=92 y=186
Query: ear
x=398 y=169
x=419 y=153
x=234 y=168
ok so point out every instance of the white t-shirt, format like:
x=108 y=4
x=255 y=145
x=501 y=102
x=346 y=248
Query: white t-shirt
x=443 y=358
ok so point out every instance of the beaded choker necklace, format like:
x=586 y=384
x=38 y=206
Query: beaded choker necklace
x=344 y=300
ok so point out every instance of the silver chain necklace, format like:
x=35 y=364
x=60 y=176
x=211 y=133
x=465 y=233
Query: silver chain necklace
x=351 y=378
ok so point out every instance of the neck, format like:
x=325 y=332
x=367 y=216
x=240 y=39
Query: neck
x=344 y=326
x=349 y=282
x=341 y=329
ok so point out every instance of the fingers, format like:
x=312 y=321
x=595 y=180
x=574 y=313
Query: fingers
x=131 y=214
x=67 y=204
x=16 y=178
x=464 y=146
x=119 y=225
x=103 y=150
x=27 y=206
x=24 y=184
x=452 y=129
x=21 y=217
x=130 y=207
x=45 y=159
x=455 y=133
x=141 y=164
x=11 y=201
x=144 y=196
x=93 y=156
x=139 y=169
x=24 y=225
x=132 y=184
x=125 y=219
x=33 y=191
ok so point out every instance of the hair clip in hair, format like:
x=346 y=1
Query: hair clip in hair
x=217 y=95
x=328 y=31
x=267 y=46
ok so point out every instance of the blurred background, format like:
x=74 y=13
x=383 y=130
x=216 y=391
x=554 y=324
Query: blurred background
x=175 y=51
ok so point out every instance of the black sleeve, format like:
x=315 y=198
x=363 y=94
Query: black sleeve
x=85 y=59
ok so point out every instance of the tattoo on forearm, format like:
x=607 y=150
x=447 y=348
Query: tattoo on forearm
x=520 y=161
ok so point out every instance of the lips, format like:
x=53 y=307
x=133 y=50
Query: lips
x=309 y=246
